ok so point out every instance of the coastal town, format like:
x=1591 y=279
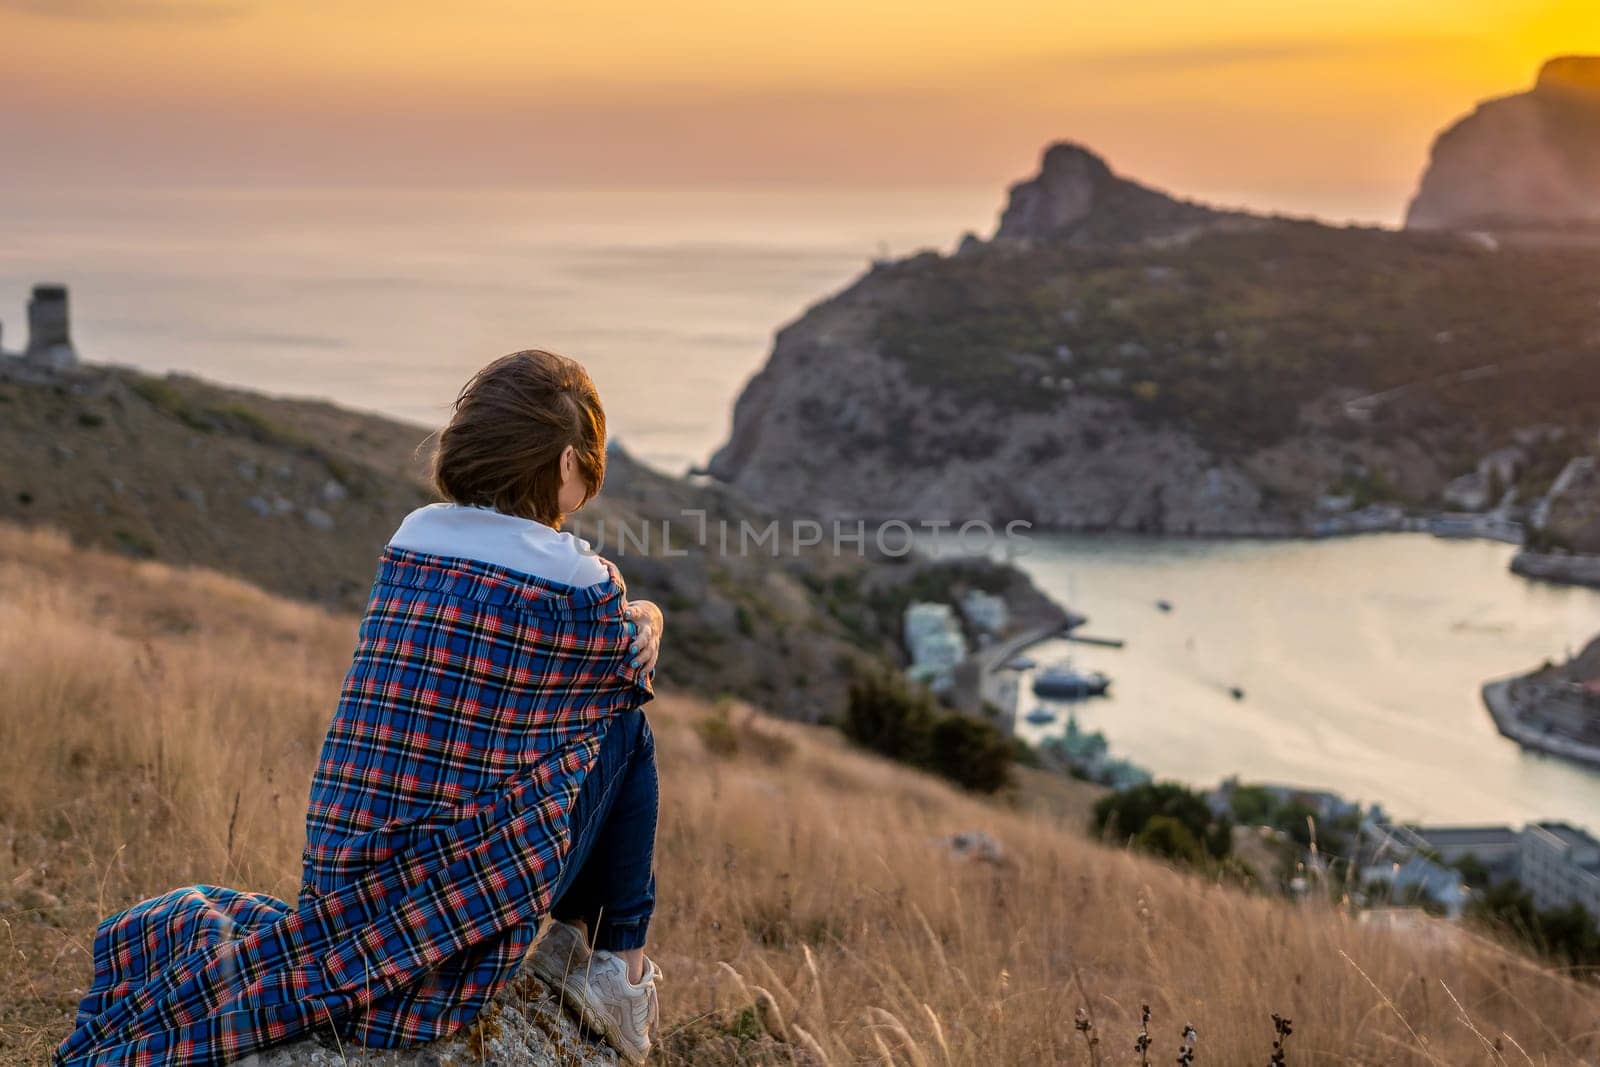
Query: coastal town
x=1302 y=839
x=1391 y=866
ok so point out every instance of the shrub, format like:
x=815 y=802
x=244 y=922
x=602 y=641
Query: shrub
x=1254 y=805
x=1166 y=836
x=1129 y=813
x=969 y=752
x=1473 y=870
x=888 y=717
x=717 y=734
x=1568 y=934
x=722 y=737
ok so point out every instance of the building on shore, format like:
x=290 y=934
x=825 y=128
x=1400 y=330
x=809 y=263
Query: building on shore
x=986 y=612
x=1418 y=878
x=1442 y=866
x=1494 y=847
x=1560 y=865
x=935 y=644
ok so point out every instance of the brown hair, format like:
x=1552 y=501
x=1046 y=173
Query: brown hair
x=502 y=447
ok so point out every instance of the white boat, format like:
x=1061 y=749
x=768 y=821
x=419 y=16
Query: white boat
x=1063 y=680
x=1040 y=716
x=1021 y=663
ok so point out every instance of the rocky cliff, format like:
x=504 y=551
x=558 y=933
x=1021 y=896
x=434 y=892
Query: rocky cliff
x=1529 y=160
x=1117 y=359
x=1076 y=197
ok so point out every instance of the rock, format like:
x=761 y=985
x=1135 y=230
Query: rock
x=318 y=518
x=334 y=492
x=523 y=1027
x=1528 y=160
x=259 y=506
x=1076 y=196
x=1470 y=492
x=976 y=845
x=832 y=427
x=192 y=495
x=1568 y=517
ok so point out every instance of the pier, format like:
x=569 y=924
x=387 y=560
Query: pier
x=1102 y=642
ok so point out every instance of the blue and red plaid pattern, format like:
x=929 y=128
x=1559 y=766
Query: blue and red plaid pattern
x=437 y=826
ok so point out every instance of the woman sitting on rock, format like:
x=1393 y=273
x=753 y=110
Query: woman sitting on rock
x=488 y=769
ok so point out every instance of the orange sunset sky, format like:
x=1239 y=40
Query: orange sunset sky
x=1324 y=108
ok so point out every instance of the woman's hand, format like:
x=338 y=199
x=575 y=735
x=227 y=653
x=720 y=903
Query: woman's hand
x=644 y=623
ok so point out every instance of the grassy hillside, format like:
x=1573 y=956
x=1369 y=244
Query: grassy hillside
x=158 y=726
x=1234 y=333
x=300 y=496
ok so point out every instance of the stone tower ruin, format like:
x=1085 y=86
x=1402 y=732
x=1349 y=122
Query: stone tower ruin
x=49 y=338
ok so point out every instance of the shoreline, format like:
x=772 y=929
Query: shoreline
x=1445 y=525
x=1561 y=569
x=1502 y=700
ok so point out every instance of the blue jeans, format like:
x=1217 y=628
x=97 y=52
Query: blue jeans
x=608 y=879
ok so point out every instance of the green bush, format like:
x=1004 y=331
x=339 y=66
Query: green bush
x=1129 y=813
x=888 y=717
x=969 y=752
x=883 y=714
x=1568 y=934
x=1166 y=836
x=1254 y=805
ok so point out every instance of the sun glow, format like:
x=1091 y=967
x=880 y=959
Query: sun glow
x=1246 y=95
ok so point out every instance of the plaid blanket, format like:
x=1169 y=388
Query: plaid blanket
x=437 y=826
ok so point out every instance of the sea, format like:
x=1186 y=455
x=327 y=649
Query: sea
x=1359 y=659
x=388 y=300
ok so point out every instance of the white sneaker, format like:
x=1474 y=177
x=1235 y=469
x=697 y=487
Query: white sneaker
x=560 y=950
x=595 y=985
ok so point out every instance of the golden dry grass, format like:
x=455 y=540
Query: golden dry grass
x=159 y=727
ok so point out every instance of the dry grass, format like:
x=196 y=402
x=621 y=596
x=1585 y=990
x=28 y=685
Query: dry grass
x=159 y=727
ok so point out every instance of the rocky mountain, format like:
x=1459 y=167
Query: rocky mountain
x=1076 y=197
x=1563 y=540
x=1531 y=160
x=1114 y=358
x=300 y=496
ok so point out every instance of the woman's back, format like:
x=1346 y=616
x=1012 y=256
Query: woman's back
x=464 y=674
